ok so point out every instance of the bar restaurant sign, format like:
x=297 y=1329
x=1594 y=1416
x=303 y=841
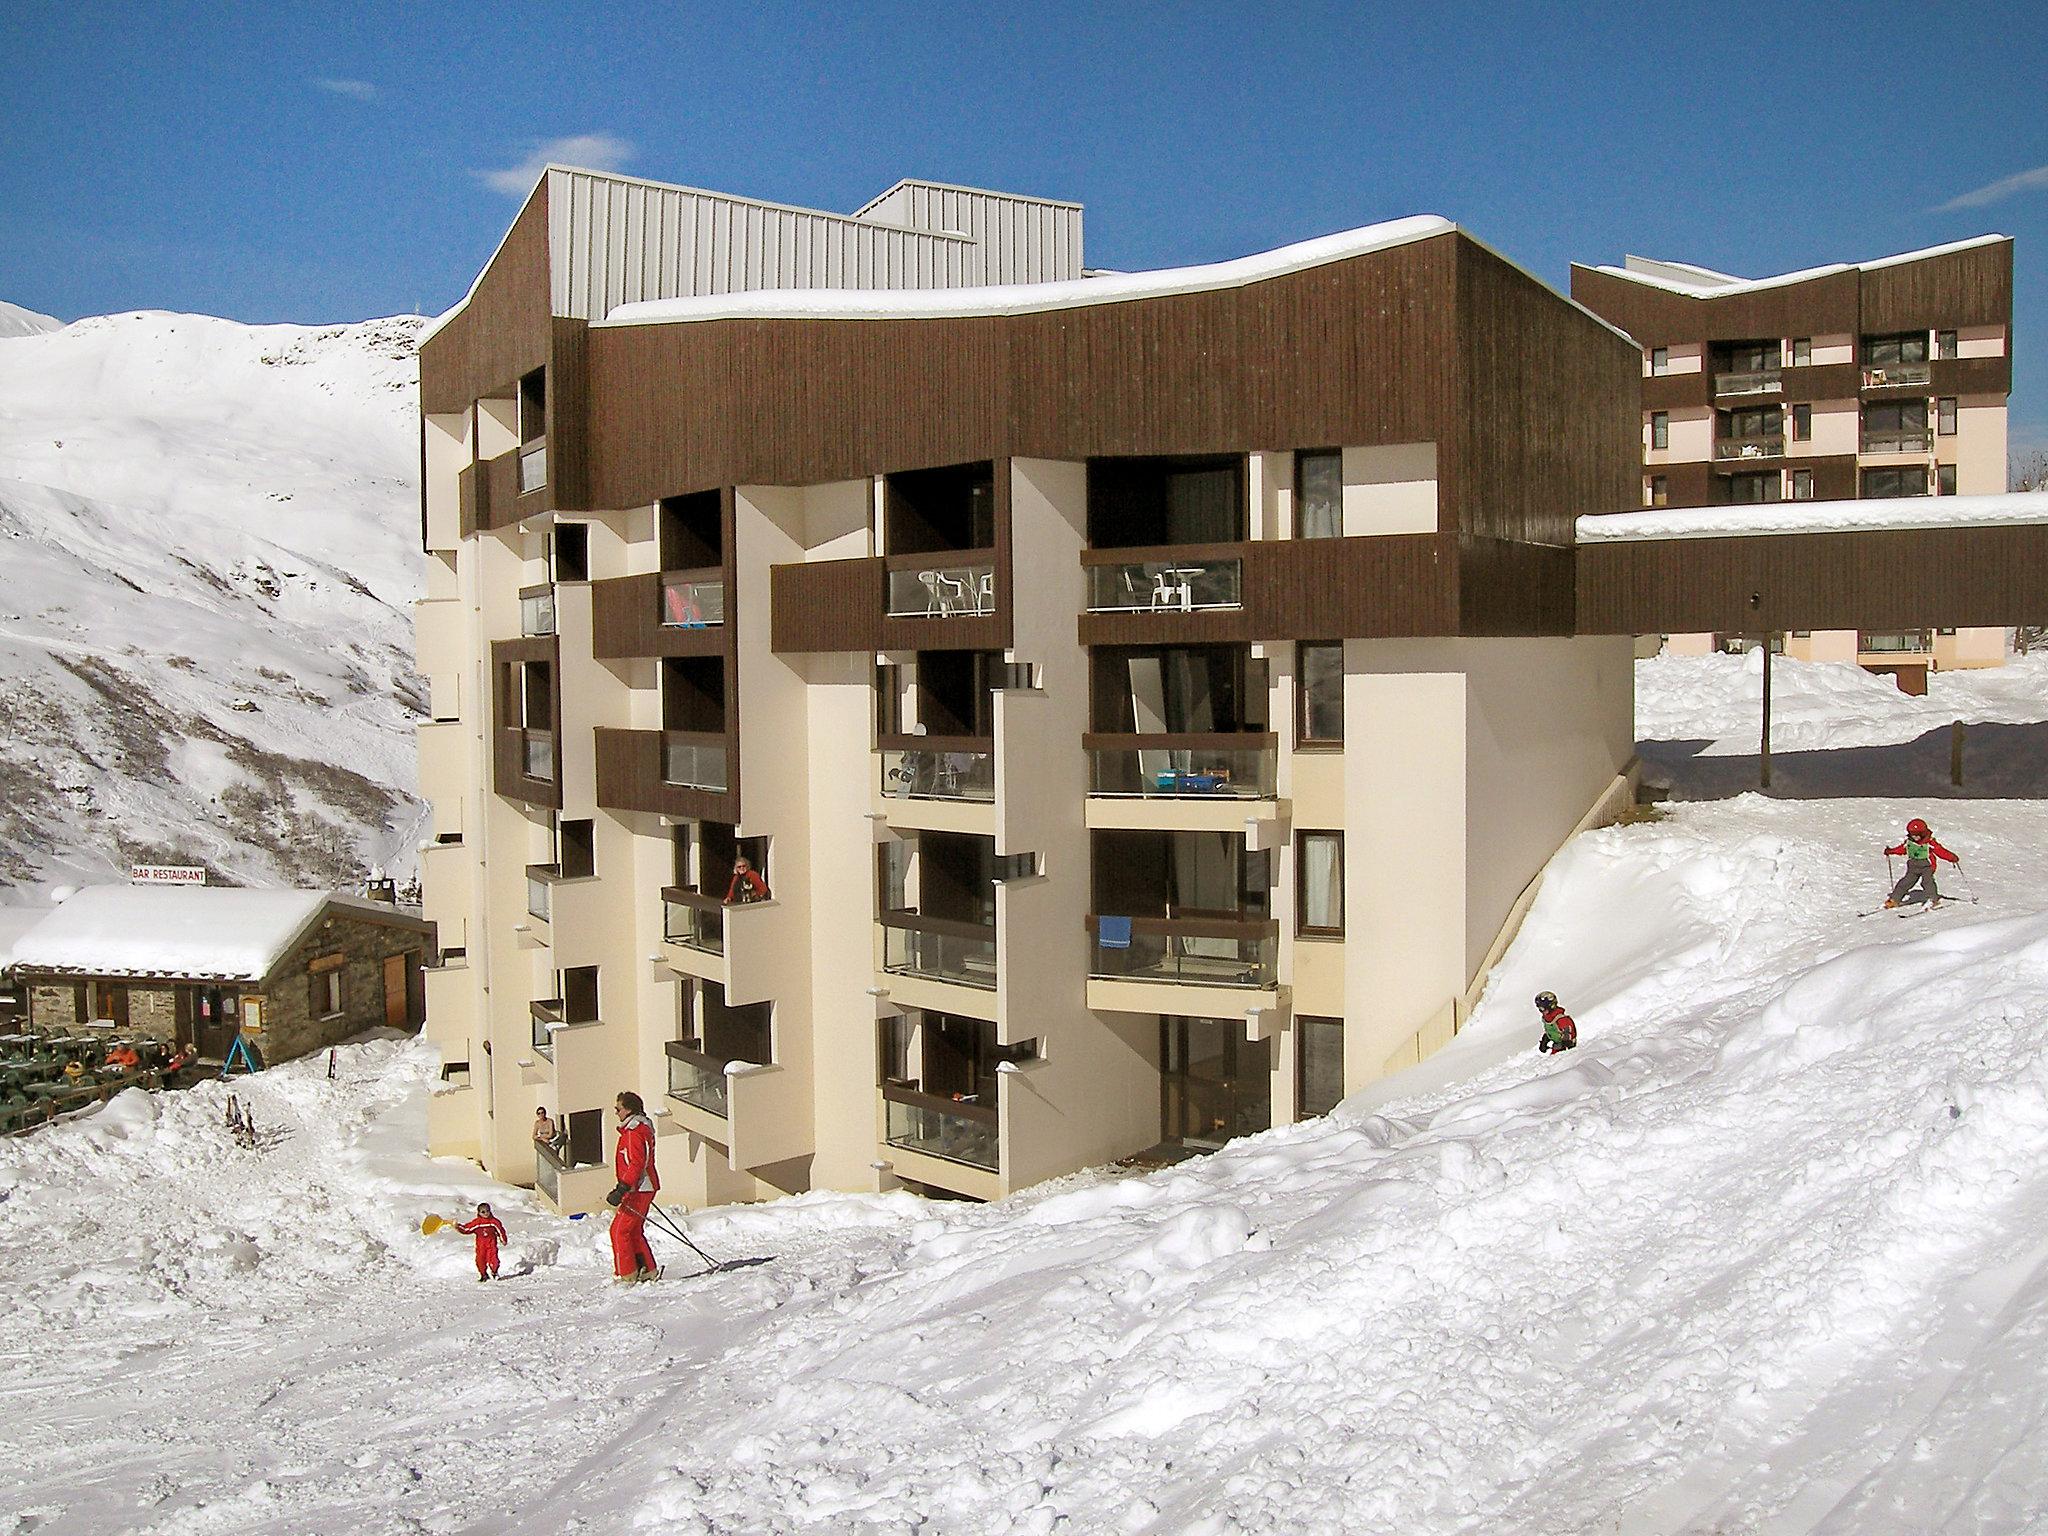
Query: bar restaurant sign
x=167 y=874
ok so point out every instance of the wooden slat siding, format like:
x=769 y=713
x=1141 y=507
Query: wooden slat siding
x=728 y=541
x=568 y=413
x=1972 y=287
x=826 y=605
x=1680 y=391
x=1005 y=584
x=504 y=332
x=1656 y=317
x=1506 y=587
x=498 y=499
x=1356 y=352
x=1816 y=381
x=507 y=775
x=1971 y=376
x=471 y=490
x=1871 y=580
x=629 y=779
x=625 y=621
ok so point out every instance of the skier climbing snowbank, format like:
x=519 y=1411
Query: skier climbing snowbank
x=1922 y=853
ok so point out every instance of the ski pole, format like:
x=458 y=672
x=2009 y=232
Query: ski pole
x=667 y=1224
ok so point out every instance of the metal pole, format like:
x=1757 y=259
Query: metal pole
x=1764 y=753
x=1955 y=754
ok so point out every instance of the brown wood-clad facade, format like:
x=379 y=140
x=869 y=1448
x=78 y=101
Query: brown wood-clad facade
x=508 y=771
x=629 y=778
x=1905 y=578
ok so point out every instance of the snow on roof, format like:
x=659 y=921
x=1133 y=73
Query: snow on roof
x=1704 y=283
x=1029 y=298
x=1776 y=517
x=157 y=930
x=14 y=922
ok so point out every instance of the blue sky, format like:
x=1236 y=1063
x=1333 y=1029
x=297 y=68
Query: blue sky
x=283 y=163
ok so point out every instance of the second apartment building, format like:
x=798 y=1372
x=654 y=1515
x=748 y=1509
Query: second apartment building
x=1876 y=380
x=1148 y=698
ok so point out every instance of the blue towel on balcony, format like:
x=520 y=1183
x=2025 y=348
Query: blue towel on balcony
x=1113 y=932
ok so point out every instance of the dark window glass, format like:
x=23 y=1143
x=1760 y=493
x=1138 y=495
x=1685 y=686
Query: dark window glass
x=1319 y=1078
x=1948 y=416
x=1660 y=359
x=1319 y=494
x=1802 y=485
x=1660 y=429
x=1660 y=491
x=1945 y=344
x=1885 y=484
x=1754 y=488
x=1802 y=423
x=1320 y=693
x=1945 y=478
x=1802 y=351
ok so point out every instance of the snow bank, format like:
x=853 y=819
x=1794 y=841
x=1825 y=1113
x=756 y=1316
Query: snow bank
x=1779 y=517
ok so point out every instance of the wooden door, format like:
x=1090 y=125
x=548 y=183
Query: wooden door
x=394 y=992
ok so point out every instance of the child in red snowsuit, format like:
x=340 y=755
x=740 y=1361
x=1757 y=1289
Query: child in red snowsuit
x=633 y=1195
x=1922 y=854
x=1559 y=1032
x=488 y=1232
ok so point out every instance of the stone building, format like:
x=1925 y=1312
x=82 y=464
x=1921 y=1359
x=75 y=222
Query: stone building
x=295 y=971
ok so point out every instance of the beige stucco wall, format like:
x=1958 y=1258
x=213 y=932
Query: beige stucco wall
x=1978 y=447
x=1833 y=349
x=1837 y=429
x=1691 y=437
x=1685 y=357
x=1980 y=341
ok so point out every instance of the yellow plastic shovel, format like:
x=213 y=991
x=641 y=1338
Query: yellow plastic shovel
x=432 y=1224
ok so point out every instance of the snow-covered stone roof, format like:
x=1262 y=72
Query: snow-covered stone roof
x=1774 y=517
x=150 y=930
x=1705 y=283
x=14 y=922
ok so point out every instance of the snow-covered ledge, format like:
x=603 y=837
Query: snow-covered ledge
x=1776 y=517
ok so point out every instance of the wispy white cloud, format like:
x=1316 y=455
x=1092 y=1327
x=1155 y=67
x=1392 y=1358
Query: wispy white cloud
x=595 y=151
x=2035 y=180
x=356 y=90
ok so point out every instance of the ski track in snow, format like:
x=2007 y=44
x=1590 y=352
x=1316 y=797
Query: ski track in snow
x=1764 y=1255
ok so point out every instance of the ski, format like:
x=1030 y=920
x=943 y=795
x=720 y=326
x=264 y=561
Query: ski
x=1914 y=908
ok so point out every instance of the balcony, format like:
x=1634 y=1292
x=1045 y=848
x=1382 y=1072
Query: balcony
x=693 y=920
x=692 y=599
x=1769 y=445
x=1921 y=442
x=1226 y=765
x=547 y=1016
x=537 y=612
x=954 y=1130
x=1894 y=642
x=1186 y=951
x=1896 y=375
x=698 y=1080
x=959 y=585
x=537 y=754
x=695 y=760
x=540 y=892
x=939 y=768
x=939 y=949
x=1165 y=581
x=567 y=1185
x=1766 y=381
x=533 y=466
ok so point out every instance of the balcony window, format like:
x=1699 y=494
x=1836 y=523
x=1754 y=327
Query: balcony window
x=1149 y=502
x=1660 y=429
x=1319 y=494
x=540 y=897
x=939 y=949
x=938 y=768
x=1182 y=906
x=1888 y=484
x=1190 y=951
x=1892 y=642
x=1319 y=694
x=537 y=611
x=1185 y=584
x=1319 y=1065
x=533 y=406
x=1902 y=347
x=1750 y=433
x=1319 y=884
x=936 y=1126
x=1748 y=490
x=1746 y=367
x=1215 y=1085
x=697 y=1078
x=537 y=755
x=695 y=760
x=693 y=920
x=1238 y=764
x=693 y=599
x=1895 y=426
x=1178 y=689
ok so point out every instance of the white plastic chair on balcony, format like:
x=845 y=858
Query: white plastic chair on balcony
x=985 y=592
x=1171 y=590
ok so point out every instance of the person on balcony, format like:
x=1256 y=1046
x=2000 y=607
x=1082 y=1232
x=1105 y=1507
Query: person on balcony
x=633 y=1196
x=543 y=1128
x=747 y=886
x=488 y=1232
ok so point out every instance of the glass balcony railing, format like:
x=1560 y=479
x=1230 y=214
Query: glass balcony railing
x=954 y=1129
x=537 y=612
x=697 y=1079
x=537 y=754
x=540 y=898
x=1894 y=375
x=547 y=1173
x=1893 y=642
x=533 y=467
x=939 y=768
x=939 y=949
x=1167 y=584
x=1766 y=446
x=1210 y=766
x=1212 y=952
x=1763 y=381
x=693 y=920
x=692 y=599
x=958 y=589
x=1898 y=442
x=695 y=760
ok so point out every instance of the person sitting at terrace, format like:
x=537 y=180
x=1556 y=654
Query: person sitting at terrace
x=124 y=1057
x=746 y=885
x=73 y=1070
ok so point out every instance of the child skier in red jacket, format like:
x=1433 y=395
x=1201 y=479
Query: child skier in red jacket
x=1922 y=854
x=488 y=1232
x=1559 y=1032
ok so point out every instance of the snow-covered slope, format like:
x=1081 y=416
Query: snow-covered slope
x=16 y=321
x=208 y=537
x=1765 y=1254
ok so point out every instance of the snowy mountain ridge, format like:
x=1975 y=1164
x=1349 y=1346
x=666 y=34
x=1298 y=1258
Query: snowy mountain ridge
x=16 y=321
x=208 y=552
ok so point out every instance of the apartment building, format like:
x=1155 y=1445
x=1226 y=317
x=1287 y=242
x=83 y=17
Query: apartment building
x=1876 y=380
x=1148 y=698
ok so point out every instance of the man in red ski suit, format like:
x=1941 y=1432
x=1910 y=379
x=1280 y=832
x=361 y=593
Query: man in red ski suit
x=488 y=1232
x=1922 y=853
x=633 y=1195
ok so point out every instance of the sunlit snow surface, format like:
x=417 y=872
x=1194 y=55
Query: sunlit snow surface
x=1766 y=1254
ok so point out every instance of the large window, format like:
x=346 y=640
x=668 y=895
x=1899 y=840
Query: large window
x=1660 y=429
x=1884 y=484
x=1319 y=1065
x=1764 y=421
x=1319 y=884
x=1319 y=494
x=1319 y=694
x=1746 y=489
x=1907 y=347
